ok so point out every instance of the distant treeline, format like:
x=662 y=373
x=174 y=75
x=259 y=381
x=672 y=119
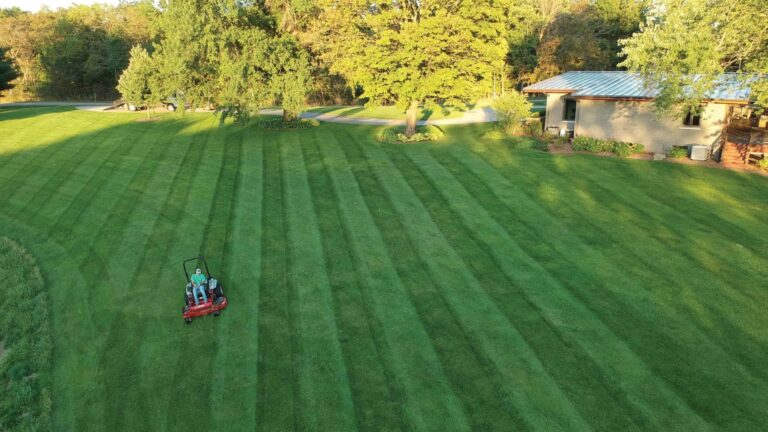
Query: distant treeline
x=78 y=53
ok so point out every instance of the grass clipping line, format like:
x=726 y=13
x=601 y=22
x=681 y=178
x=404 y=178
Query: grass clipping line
x=25 y=342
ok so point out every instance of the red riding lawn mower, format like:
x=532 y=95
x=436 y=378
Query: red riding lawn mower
x=215 y=302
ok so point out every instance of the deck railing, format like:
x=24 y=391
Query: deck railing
x=747 y=135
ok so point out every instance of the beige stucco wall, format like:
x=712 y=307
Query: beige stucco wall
x=637 y=122
x=555 y=106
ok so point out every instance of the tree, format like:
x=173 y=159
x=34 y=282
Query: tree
x=585 y=35
x=230 y=55
x=138 y=79
x=414 y=52
x=512 y=109
x=686 y=45
x=7 y=71
x=290 y=75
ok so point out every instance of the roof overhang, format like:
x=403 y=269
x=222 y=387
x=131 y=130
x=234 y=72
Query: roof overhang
x=614 y=98
x=525 y=90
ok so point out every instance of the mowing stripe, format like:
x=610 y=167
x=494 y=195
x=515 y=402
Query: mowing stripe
x=429 y=402
x=743 y=299
x=376 y=402
x=571 y=367
x=15 y=169
x=324 y=386
x=104 y=148
x=587 y=267
x=16 y=149
x=647 y=242
x=701 y=221
x=189 y=211
x=276 y=408
x=234 y=392
x=547 y=409
x=585 y=328
x=88 y=193
x=68 y=311
x=122 y=362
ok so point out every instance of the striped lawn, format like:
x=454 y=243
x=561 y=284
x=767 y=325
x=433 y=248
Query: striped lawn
x=462 y=285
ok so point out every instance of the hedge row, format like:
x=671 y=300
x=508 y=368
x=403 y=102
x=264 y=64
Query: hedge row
x=596 y=145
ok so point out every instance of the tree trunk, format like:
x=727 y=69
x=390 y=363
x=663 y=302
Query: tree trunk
x=289 y=116
x=410 y=119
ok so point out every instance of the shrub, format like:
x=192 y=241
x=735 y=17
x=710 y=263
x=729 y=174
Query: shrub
x=280 y=124
x=495 y=134
x=677 y=152
x=763 y=163
x=595 y=145
x=541 y=145
x=592 y=145
x=533 y=127
x=396 y=135
x=624 y=149
x=511 y=111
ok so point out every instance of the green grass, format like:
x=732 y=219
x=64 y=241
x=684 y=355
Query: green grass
x=457 y=285
x=25 y=343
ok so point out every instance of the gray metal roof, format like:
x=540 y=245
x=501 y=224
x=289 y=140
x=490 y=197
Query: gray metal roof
x=619 y=84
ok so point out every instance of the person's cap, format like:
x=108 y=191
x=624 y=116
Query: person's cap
x=198 y=271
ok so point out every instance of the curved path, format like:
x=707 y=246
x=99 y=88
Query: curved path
x=479 y=115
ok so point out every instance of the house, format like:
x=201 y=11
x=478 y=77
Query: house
x=617 y=105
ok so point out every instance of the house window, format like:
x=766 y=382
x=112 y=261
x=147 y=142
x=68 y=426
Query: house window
x=692 y=120
x=569 y=113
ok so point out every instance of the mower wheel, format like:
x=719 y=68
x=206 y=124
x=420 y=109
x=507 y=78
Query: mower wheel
x=188 y=320
x=216 y=313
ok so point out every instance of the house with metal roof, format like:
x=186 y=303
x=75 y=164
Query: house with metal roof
x=618 y=105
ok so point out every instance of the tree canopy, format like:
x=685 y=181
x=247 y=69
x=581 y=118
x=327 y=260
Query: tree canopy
x=230 y=55
x=686 y=45
x=412 y=52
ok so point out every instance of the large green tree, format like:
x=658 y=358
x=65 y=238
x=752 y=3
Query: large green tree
x=230 y=55
x=414 y=52
x=7 y=71
x=686 y=45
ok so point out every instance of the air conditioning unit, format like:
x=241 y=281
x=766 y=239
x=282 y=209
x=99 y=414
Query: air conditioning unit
x=699 y=152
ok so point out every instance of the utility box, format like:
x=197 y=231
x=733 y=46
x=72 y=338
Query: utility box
x=699 y=152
